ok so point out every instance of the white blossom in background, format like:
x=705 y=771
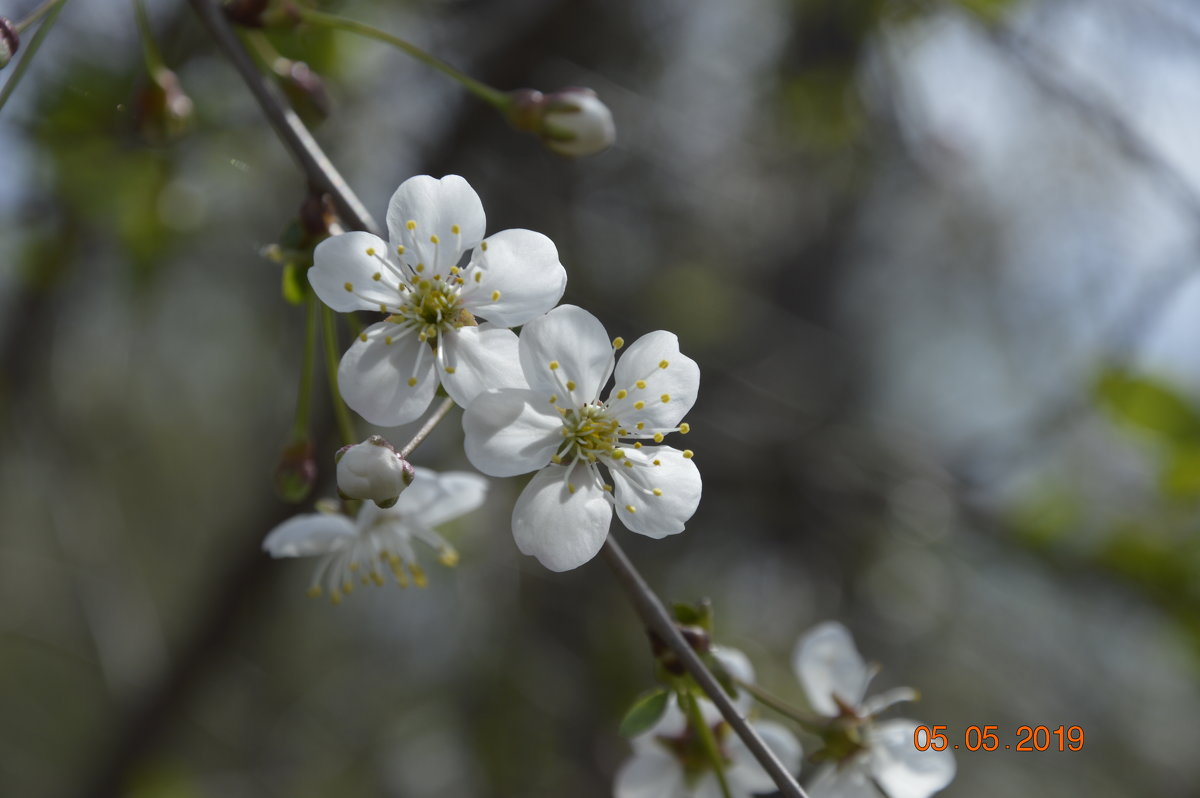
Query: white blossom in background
x=835 y=678
x=372 y=471
x=358 y=549
x=669 y=762
x=390 y=374
x=561 y=428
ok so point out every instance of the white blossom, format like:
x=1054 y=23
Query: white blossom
x=669 y=762
x=372 y=471
x=835 y=678
x=358 y=549
x=560 y=427
x=390 y=374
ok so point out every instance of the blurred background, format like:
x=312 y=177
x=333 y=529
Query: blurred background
x=936 y=261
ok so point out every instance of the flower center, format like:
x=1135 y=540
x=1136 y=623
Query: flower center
x=588 y=433
x=431 y=305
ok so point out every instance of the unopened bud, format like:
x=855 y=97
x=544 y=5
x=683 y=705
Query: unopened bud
x=10 y=41
x=247 y=13
x=571 y=121
x=163 y=111
x=297 y=472
x=304 y=89
x=372 y=470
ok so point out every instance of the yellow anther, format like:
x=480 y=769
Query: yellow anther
x=618 y=342
x=495 y=295
x=450 y=369
x=556 y=459
x=570 y=385
x=656 y=491
x=608 y=488
x=434 y=240
x=417 y=574
x=399 y=249
x=621 y=394
x=412 y=381
x=347 y=587
x=638 y=405
x=483 y=245
x=335 y=597
x=666 y=397
x=617 y=454
x=421 y=268
x=627 y=463
x=478 y=276
x=382 y=308
x=362 y=337
x=637 y=444
x=410 y=224
x=631 y=508
x=685 y=428
x=688 y=454
x=553 y=399
x=377 y=276
x=349 y=286
x=314 y=591
x=387 y=340
x=398 y=574
x=377 y=578
x=640 y=383
x=570 y=488
x=554 y=365
x=657 y=462
x=371 y=251
x=658 y=437
x=640 y=425
x=662 y=364
x=448 y=556
x=454 y=229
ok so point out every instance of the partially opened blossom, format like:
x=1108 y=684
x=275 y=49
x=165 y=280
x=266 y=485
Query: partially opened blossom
x=670 y=761
x=390 y=374
x=589 y=452
x=359 y=549
x=372 y=470
x=866 y=750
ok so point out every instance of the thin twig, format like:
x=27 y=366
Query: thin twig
x=424 y=431
x=655 y=616
x=299 y=142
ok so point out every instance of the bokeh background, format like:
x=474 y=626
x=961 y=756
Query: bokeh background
x=936 y=260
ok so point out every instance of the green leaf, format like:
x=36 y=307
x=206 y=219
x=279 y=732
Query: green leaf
x=1148 y=404
x=699 y=614
x=1180 y=478
x=645 y=712
x=295 y=285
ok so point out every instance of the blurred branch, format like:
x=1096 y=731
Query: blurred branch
x=655 y=616
x=319 y=171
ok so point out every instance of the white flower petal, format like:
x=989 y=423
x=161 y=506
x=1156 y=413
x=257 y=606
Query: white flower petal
x=520 y=278
x=436 y=207
x=675 y=477
x=881 y=701
x=745 y=769
x=507 y=435
x=849 y=781
x=434 y=498
x=577 y=342
x=901 y=769
x=642 y=364
x=649 y=774
x=562 y=529
x=305 y=535
x=374 y=376
x=343 y=274
x=482 y=358
x=827 y=663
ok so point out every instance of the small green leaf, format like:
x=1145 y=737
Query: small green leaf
x=644 y=713
x=699 y=614
x=1149 y=404
x=295 y=286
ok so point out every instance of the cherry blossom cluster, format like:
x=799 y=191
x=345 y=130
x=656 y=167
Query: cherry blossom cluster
x=693 y=753
x=539 y=401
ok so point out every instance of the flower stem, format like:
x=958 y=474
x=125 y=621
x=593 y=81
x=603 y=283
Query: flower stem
x=340 y=411
x=304 y=395
x=430 y=423
x=809 y=722
x=481 y=90
x=696 y=719
x=150 y=54
x=34 y=44
x=36 y=14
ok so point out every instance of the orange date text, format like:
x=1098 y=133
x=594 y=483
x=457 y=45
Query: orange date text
x=986 y=738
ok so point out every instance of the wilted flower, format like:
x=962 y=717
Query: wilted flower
x=389 y=375
x=357 y=549
x=560 y=425
x=372 y=471
x=865 y=751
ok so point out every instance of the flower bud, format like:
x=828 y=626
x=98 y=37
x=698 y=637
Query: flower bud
x=163 y=111
x=372 y=470
x=9 y=41
x=304 y=89
x=571 y=121
x=297 y=472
